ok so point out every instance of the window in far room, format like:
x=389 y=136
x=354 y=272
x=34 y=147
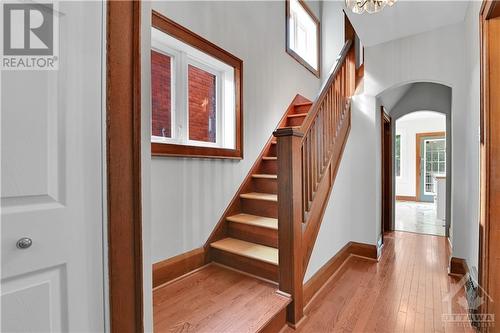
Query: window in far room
x=397 y=152
x=302 y=34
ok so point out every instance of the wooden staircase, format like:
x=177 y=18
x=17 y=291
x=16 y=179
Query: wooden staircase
x=250 y=240
x=271 y=225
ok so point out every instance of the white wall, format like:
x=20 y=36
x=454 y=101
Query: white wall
x=352 y=209
x=188 y=196
x=436 y=56
x=472 y=157
x=407 y=127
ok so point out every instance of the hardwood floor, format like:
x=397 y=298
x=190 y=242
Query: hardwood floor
x=405 y=292
x=216 y=299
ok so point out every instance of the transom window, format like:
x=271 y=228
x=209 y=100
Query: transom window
x=303 y=38
x=195 y=94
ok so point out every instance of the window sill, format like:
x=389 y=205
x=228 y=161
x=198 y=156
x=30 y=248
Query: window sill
x=165 y=149
x=301 y=61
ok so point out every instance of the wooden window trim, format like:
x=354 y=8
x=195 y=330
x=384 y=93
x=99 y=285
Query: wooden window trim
x=291 y=52
x=179 y=32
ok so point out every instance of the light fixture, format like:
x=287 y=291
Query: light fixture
x=370 y=6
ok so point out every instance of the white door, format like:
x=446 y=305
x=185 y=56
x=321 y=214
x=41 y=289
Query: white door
x=51 y=189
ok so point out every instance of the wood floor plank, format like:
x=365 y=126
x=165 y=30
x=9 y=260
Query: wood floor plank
x=403 y=292
x=215 y=299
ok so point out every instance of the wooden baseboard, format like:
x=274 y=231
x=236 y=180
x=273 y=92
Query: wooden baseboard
x=169 y=269
x=405 y=198
x=321 y=277
x=458 y=266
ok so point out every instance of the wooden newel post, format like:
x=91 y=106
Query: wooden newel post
x=290 y=219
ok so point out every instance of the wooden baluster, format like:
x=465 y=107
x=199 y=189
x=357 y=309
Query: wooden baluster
x=290 y=219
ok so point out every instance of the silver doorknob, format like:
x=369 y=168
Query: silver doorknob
x=24 y=243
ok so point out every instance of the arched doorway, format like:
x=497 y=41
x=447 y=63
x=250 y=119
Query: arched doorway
x=421 y=158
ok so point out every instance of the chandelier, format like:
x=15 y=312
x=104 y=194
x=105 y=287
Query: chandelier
x=370 y=6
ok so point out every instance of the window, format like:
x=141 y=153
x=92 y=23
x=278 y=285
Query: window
x=302 y=34
x=195 y=95
x=397 y=150
x=435 y=162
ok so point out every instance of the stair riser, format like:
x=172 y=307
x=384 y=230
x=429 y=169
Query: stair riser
x=301 y=109
x=295 y=121
x=251 y=266
x=269 y=167
x=265 y=185
x=273 y=150
x=253 y=234
x=260 y=207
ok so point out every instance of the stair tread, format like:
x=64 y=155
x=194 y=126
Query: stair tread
x=265 y=176
x=270 y=158
x=303 y=104
x=294 y=115
x=247 y=249
x=260 y=196
x=254 y=220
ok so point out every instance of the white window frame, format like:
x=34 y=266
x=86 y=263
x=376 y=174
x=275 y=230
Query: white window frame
x=182 y=56
x=400 y=156
x=425 y=165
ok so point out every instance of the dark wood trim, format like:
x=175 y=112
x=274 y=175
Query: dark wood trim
x=458 y=266
x=123 y=154
x=489 y=271
x=333 y=266
x=418 y=137
x=185 y=35
x=292 y=53
x=170 y=269
x=386 y=172
x=405 y=198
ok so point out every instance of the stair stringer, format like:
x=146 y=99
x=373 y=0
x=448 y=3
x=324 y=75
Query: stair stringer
x=322 y=197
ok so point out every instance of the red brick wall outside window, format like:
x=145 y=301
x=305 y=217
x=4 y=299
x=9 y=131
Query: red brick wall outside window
x=161 y=94
x=201 y=105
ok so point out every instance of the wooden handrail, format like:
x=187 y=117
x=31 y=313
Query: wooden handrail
x=308 y=158
x=306 y=125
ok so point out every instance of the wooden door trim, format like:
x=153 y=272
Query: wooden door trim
x=417 y=158
x=386 y=174
x=123 y=154
x=489 y=160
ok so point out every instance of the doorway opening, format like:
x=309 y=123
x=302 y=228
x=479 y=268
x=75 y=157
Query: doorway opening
x=420 y=173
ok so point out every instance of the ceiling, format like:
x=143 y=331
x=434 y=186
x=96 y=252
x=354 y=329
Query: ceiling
x=391 y=97
x=406 y=18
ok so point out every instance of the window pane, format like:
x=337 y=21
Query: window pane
x=202 y=108
x=161 y=92
x=303 y=34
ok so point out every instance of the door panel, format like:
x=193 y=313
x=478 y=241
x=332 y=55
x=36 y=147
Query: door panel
x=51 y=189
